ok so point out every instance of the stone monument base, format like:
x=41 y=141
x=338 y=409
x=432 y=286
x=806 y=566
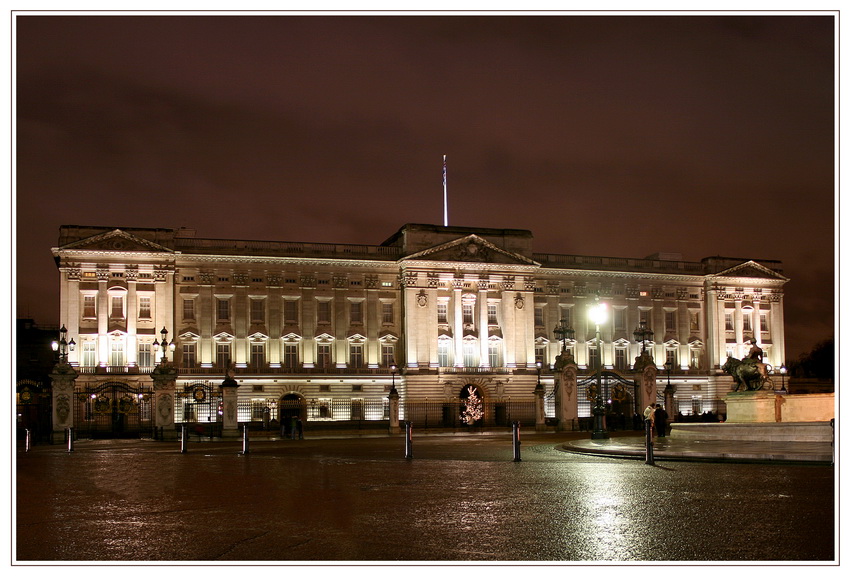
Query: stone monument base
x=751 y=407
x=815 y=432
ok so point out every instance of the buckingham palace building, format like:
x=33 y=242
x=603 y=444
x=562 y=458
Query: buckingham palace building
x=160 y=324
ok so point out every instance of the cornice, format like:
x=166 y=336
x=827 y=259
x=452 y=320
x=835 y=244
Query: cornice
x=284 y=260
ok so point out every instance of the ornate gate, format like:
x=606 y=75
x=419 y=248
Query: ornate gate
x=619 y=396
x=114 y=410
x=199 y=407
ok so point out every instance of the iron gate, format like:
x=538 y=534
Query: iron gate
x=619 y=395
x=114 y=410
x=33 y=410
x=199 y=407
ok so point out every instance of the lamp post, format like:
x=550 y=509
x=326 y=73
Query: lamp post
x=782 y=370
x=393 y=369
x=62 y=346
x=599 y=315
x=642 y=334
x=164 y=345
x=564 y=332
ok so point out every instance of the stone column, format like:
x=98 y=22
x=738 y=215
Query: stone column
x=164 y=377
x=646 y=381
x=230 y=418
x=566 y=392
x=539 y=408
x=62 y=377
x=393 y=397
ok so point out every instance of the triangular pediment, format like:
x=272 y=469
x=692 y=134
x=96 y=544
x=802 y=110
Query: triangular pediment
x=117 y=240
x=470 y=248
x=750 y=269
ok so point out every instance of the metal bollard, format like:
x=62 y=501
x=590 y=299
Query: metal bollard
x=408 y=441
x=650 y=458
x=27 y=440
x=244 y=440
x=184 y=438
x=70 y=431
x=517 y=443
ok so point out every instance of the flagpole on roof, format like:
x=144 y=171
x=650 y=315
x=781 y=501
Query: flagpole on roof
x=445 y=196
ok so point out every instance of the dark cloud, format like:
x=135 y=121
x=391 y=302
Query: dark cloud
x=611 y=135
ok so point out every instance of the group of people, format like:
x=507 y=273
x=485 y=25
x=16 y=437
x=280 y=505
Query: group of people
x=657 y=417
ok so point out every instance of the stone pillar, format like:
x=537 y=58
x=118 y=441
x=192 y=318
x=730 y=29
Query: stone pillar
x=393 y=397
x=230 y=418
x=646 y=381
x=62 y=377
x=164 y=377
x=566 y=392
x=539 y=408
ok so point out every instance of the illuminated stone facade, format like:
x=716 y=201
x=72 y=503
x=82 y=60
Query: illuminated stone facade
x=450 y=306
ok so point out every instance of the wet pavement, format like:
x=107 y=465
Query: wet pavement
x=460 y=498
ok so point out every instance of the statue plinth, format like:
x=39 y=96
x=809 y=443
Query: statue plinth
x=751 y=407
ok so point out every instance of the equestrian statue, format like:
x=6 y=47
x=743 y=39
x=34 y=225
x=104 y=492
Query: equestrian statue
x=750 y=373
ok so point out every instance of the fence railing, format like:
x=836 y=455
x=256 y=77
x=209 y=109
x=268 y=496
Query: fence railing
x=450 y=413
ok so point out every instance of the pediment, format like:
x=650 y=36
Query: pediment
x=750 y=269
x=470 y=248
x=117 y=240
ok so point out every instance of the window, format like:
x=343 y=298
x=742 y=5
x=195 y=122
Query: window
x=730 y=325
x=694 y=316
x=470 y=357
x=356 y=355
x=748 y=322
x=619 y=319
x=258 y=311
x=495 y=353
x=356 y=312
x=116 y=353
x=323 y=355
x=763 y=323
x=695 y=359
x=467 y=313
x=89 y=310
x=567 y=316
x=538 y=316
x=188 y=355
x=540 y=355
x=646 y=317
x=442 y=313
x=144 y=307
x=671 y=358
x=696 y=405
x=387 y=354
x=222 y=355
x=620 y=359
x=593 y=357
x=387 y=313
x=323 y=312
x=89 y=356
x=670 y=321
x=145 y=358
x=188 y=309
x=117 y=311
x=491 y=314
x=444 y=352
x=223 y=309
x=290 y=355
x=258 y=355
x=290 y=312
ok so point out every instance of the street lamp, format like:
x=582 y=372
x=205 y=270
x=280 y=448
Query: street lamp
x=599 y=315
x=539 y=387
x=393 y=368
x=62 y=346
x=165 y=345
x=642 y=334
x=564 y=332
x=782 y=371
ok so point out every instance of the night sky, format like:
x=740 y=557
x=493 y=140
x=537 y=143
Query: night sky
x=604 y=135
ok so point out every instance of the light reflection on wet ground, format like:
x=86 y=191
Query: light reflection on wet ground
x=460 y=498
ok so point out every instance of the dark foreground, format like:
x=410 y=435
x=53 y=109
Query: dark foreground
x=461 y=498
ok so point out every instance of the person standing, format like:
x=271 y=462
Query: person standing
x=649 y=417
x=299 y=427
x=661 y=417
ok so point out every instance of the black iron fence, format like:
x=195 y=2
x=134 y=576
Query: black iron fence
x=454 y=413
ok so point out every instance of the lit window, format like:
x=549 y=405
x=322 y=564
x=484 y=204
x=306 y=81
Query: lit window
x=117 y=307
x=290 y=355
x=442 y=313
x=222 y=355
x=387 y=354
x=144 y=307
x=258 y=355
x=491 y=314
x=356 y=355
x=323 y=355
x=188 y=356
x=145 y=358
